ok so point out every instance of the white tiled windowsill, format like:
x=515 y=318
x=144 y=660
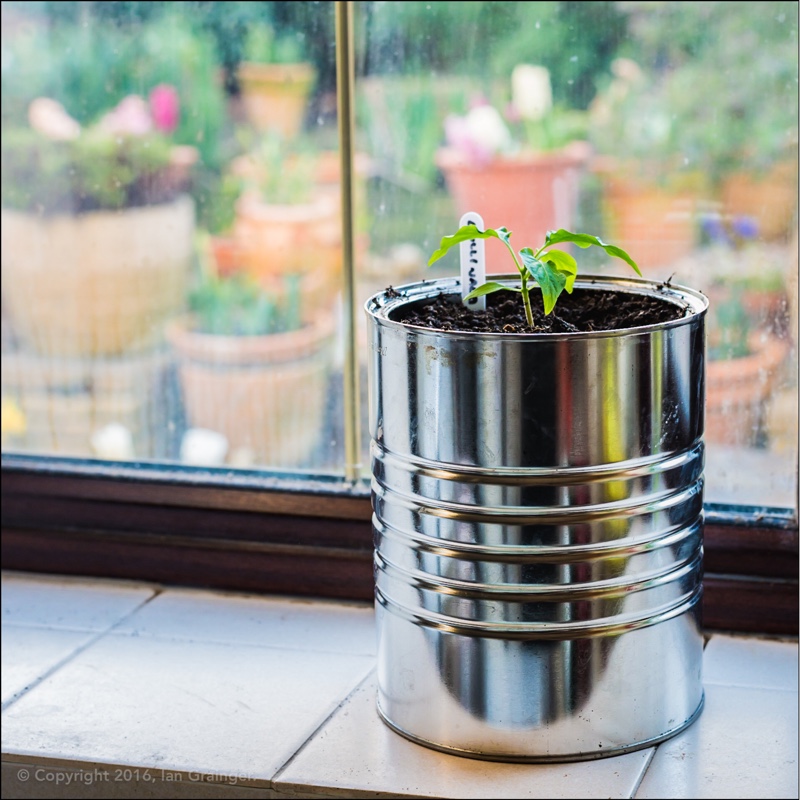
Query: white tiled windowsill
x=113 y=689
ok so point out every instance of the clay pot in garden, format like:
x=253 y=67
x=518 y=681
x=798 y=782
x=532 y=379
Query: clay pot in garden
x=98 y=283
x=738 y=388
x=770 y=199
x=530 y=194
x=305 y=239
x=275 y=96
x=266 y=394
x=227 y=255
x=657 y=222
x=66 y=402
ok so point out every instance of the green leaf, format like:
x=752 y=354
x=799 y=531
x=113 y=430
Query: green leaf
x=464 y=234
x=587 y=240
x=489 y=287
x=551 y=281
x=565 y=263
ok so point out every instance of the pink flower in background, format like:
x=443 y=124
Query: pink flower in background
x=165 y=107
x=131 y=116
x=135 y=116
x=512 y=114
x=479 y=135
x=477 y=99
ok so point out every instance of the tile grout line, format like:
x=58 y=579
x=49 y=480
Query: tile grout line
x=654 y=750
x=644 y=770
x=39 y=626
x=68 y=658
x=160 y=637
x=319 y=727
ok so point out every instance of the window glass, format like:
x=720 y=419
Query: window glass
x=171 y=233
x=171 y=230
x=667 y=128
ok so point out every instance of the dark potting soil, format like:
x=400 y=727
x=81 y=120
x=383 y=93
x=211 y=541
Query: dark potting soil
x=582 y=311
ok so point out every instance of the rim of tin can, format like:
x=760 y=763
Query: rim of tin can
x=382 y=304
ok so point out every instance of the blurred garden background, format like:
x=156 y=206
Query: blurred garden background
x=171 y=221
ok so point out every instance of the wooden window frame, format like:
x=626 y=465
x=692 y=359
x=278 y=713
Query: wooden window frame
x=282 y=534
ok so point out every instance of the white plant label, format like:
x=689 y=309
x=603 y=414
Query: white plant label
x=473 y=263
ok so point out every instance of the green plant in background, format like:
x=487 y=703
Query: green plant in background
x=545 y=129
x=412 y=37
x=262 y=45
x=305 y=27
x=35 y=172
x=280 y=172
x=747 y=128
x=237 y=306
x=729 y=327
x=553 y=271
x=96 y=170
x=289 y=179
x=631 y=123
x=91 y=62
x=709 y=76
x=399 y=119
x=485 y=40
x=220 y=193
x=424 y=61
x=89 y=56
x=574 y=41
x=428 y=60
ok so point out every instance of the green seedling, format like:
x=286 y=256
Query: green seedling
x=553 y=271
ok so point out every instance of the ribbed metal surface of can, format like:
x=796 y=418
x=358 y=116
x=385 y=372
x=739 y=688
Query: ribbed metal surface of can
x=538 y=503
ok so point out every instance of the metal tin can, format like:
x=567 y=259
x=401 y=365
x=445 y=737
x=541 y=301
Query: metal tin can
x=538 y=503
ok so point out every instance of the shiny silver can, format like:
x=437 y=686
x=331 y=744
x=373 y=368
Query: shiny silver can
x=538 y=522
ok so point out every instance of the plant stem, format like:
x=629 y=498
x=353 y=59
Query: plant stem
x=523 y=274
x=526 y=301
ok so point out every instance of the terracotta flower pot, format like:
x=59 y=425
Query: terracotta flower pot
x=66 y=401
x=737 y=389
x=274 y=96
x=227 y=255
x=305 y=240
x=770 y=199
x=99 y=283
x=529 y=194
x=656 y=222
x=265 y=394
